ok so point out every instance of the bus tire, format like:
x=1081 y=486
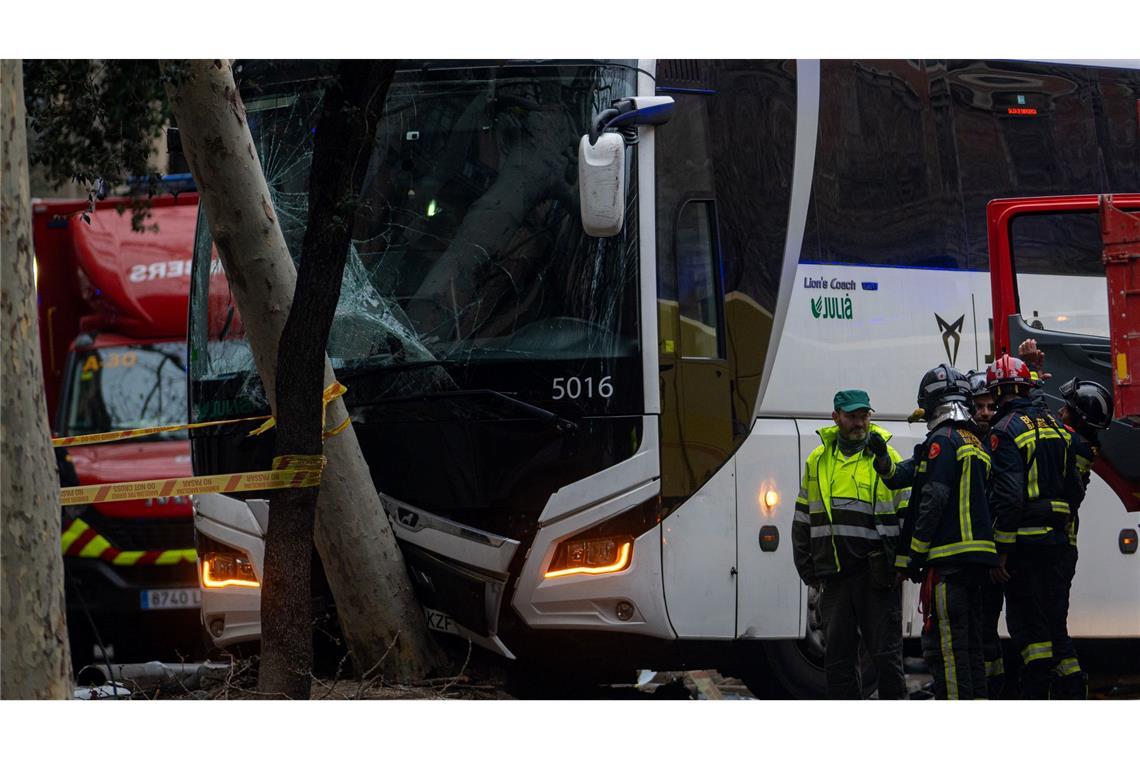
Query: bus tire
x=799 y=669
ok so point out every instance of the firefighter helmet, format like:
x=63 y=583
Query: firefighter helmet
x=1008 y=370
x=979 y=383
x=1091 y=402
x=942 y=385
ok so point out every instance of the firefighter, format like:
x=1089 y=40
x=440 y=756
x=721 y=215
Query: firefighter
x=950 y=548
x=1086 y=411
x=843 y=537
x=1034 y=490
x=984 y=407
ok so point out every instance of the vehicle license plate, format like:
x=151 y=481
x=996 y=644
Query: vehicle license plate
x=171 y=598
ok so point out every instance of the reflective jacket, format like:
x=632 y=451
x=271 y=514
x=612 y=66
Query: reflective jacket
x=949 y=521
x=844 y=511
x=1035 y=486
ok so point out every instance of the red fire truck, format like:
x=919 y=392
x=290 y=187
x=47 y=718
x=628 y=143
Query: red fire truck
x=112 y=311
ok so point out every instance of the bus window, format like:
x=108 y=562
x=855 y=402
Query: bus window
x=698 y=291
x=1060 y=278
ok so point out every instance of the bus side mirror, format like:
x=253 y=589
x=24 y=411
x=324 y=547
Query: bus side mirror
x=601 y=160
x=601 y=184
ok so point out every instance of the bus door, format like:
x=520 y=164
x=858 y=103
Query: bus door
x=697 y=487
x=1048 y=283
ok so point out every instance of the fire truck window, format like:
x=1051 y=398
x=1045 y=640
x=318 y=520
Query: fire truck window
x=697 y=286
x=1060 y=278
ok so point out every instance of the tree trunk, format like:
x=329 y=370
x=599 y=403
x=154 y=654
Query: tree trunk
x=36 y=663
x=350 y=110
x=378 y=611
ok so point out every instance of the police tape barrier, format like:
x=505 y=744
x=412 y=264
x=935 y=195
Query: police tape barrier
x=336 y=390
x=291 y=471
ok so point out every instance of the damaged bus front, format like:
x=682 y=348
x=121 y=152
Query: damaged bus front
x=492 y=351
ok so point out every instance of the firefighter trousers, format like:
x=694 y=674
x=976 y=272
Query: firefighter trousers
x=952 y=635
x=1068 y=681
x=993 y=598
x=1031 y=606
x=855 y=609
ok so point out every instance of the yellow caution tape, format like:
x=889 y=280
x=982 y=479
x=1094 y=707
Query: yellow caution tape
x=336 y=390
x=333 y=391
x=288 y=472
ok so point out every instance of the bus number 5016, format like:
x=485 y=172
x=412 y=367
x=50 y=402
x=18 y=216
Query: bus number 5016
x=577 y=387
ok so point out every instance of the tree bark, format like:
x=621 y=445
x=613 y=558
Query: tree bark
x=380 y=617
x=350 y=110
x=36 y=663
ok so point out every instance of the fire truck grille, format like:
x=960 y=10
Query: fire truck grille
x=141 y=534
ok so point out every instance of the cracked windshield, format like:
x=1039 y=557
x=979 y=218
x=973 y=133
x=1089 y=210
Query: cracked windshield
x=468 y=247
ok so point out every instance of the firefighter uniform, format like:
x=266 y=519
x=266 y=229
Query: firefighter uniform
x=844 y=533
x=1069 y=681
x=948 y=533
x=1034 y=490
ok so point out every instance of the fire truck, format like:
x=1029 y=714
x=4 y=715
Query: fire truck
x=112 y=306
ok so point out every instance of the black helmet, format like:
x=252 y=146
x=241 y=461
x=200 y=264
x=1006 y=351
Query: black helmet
x=1091 y=402
x=942 y=385
x=979 y=385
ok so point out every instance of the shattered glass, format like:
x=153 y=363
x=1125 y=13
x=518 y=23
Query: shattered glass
x=467 y=245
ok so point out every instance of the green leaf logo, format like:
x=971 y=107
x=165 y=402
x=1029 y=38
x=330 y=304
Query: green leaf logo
x=817 y=307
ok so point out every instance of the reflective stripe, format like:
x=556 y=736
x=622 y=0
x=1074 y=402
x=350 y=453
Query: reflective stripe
x=74 y=531
x=816 y=507
x=1042 y=434
x=891 y=472
x=965 y=526
x=1004 y=537
x=884 y=507
x=969 y=450
x=945 y=640
x=1041 y=650
x=801 y=517
x=962 y=547
x=174 y=556
x=822 y=531
x=995 y=668
x=1032 y=487
x=919 y=546
x=852 y=505
x=95 y=547
x=1033 y=531
x=803 y=495
x=902 y=561
x=888 y=530
x=921 y=466
x=1067 y=667
x=1061 y=507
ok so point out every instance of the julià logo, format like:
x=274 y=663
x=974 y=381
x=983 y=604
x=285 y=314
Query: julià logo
x=831 y=307
x=951 y=336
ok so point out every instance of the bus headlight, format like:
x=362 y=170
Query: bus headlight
x=591 y=556
x=222 y=569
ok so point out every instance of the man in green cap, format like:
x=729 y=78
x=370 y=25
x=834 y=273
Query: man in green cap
x=844 y=533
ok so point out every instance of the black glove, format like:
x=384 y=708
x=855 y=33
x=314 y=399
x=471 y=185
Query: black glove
x=876 y=445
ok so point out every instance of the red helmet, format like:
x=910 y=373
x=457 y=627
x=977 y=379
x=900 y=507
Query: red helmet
x=1008 y=370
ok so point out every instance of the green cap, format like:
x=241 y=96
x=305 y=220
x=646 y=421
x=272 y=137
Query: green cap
x=852 y=400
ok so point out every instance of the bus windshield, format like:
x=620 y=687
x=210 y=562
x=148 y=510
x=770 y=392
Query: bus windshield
x=467 y=246
x=127 y=387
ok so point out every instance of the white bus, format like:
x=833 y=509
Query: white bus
x=590 y=448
